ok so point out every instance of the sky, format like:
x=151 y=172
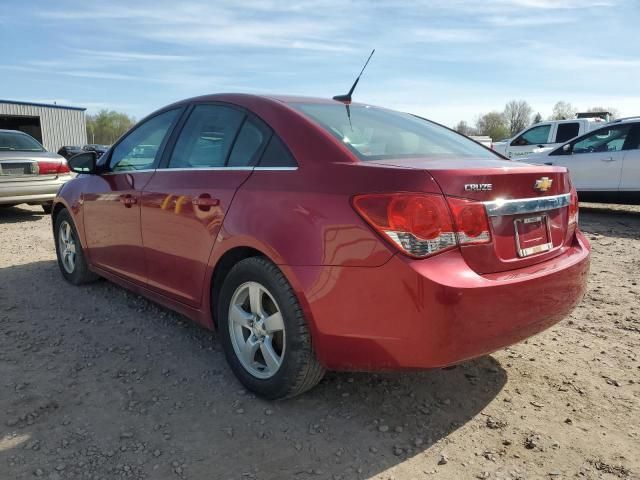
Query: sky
x=447 y=60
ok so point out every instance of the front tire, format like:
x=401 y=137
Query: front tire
x=264 y=334
x=71 y=259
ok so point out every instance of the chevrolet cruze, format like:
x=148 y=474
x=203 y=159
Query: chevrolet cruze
x=317 y=234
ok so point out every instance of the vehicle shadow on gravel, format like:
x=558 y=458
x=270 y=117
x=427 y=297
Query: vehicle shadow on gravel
x=621 y=221
x=99 y=382
x=10 y=215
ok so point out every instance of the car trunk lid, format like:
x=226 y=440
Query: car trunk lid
x=527 y=208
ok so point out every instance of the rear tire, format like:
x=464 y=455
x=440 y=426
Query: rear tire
x=264 y=334
x=71 y=258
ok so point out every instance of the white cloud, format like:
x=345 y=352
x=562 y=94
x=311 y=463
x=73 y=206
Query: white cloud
x=133 y=56
x=449 y=35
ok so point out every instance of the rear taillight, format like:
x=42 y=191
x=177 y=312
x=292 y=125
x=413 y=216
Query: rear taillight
x=573 y=208
x=422 y=224
x=52 y=167
x=471 y=221
x=64 y=167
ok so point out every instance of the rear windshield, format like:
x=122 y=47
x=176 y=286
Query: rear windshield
x=18 y=142
x=376 y=133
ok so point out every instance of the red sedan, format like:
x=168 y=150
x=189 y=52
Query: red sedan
x=314 y=234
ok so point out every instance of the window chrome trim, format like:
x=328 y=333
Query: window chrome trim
x=276 y=168
x=199 y=169
x=500 y=207
x=222 y=169
x=119 y=172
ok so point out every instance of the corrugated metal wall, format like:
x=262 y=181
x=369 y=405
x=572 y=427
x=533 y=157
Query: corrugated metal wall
x=60 y=126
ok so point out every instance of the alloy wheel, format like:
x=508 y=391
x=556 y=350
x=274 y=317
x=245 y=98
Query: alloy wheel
x=257 y=330
x=67 y=247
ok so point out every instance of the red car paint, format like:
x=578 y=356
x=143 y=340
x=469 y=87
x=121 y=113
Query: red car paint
x=162 y=234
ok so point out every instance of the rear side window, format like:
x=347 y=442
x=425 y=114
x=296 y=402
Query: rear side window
x=249 y=144
x=277 y=155
x=633 y=139
x=566 y=131
x=206 y=138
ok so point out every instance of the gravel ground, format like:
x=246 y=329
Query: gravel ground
x=98 y=383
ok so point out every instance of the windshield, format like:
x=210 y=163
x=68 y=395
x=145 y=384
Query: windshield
x=375 y=133
x=19 y=142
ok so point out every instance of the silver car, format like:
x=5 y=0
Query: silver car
x=28 y=173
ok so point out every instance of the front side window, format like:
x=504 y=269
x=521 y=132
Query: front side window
x=604 y=140
x=534 y=136
x=139 y=149
x=374 y=133
x=207 y=137
x=567 y=131
x=19 y=142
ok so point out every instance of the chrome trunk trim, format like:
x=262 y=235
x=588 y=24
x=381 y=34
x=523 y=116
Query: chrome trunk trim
x=501 y=207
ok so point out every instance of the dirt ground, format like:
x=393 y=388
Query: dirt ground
x=98 y=383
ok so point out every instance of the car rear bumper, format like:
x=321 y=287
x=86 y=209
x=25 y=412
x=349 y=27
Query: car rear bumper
x=31 y=191
x=414 y=314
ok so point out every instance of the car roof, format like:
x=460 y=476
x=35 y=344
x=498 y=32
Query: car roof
x=624 y=120
x=248 y=97
x=13 y=131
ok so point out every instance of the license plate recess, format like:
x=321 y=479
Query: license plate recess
x=533 y=235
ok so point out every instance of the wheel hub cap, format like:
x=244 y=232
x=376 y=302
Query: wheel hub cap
x=67 y=247
x=257 y=330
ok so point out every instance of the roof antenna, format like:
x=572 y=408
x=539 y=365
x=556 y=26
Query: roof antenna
x=347 y=98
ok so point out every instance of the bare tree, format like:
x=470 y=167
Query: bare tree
x=537 y=118
x=464 y=128
x=563 y=111
x=613 y=111
x=492 y=124
x=517 y=114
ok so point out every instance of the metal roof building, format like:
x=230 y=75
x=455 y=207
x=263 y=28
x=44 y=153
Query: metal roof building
x=52 y=125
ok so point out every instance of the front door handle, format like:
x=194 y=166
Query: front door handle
x=610 y=159
x=204 y=202
x=128 y=200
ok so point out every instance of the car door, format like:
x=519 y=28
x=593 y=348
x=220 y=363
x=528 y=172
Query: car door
x=111 y=201
x=184 y=204
x=630 y=181
x=525 y=143
x=595 y=160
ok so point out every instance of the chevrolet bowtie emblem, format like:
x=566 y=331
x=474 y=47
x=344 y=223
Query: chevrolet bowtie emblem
x=543 y=184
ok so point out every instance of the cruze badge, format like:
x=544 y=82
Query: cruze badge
x=478 y=187
x=543 y=184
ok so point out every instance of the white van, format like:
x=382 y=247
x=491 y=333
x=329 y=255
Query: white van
x=545 y=136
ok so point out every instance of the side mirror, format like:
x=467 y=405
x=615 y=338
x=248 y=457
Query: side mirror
x=567 y=148
x=84 y=162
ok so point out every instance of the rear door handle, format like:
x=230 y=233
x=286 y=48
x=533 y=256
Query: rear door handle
x=610 y=159
x=128 y=200
x=205 y=202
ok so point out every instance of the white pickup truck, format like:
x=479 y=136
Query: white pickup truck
x=545 y=136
